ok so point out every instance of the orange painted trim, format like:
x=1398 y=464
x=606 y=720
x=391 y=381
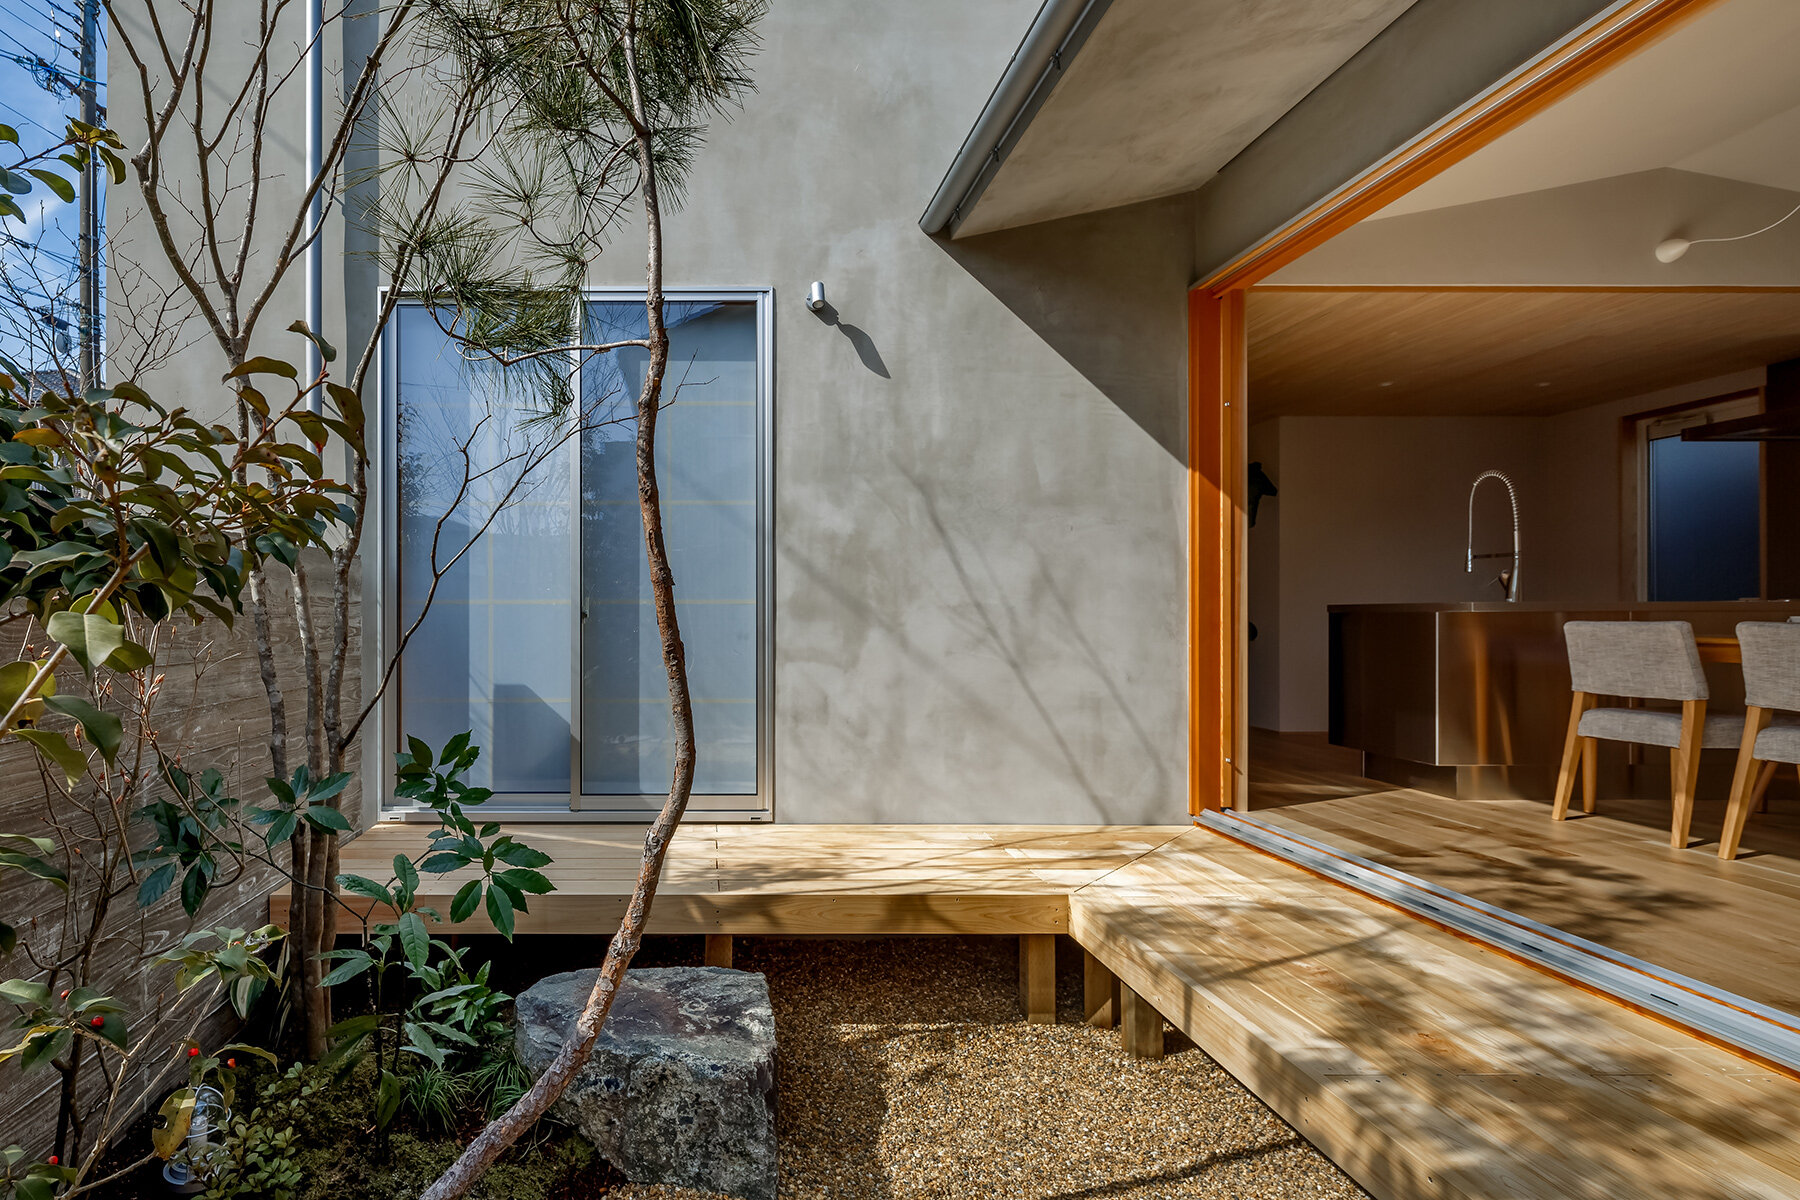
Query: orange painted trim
x=1583 y=288
x=1218 y=721
x=1501 y=109
x=1217 y=381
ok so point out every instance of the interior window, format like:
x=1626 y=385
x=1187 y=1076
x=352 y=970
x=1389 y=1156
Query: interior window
x=1702 y=509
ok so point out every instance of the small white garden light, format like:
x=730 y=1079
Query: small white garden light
x=815 y=297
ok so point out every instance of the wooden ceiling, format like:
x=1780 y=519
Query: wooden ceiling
x=1513 y=353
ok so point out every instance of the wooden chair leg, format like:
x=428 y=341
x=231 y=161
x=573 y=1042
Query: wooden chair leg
x=1759 y=794
x=1590 y=753
x=1737 y=813
x=1565 y=777
x=1684 y=772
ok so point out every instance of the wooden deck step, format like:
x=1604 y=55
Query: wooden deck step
x=1424 y=1065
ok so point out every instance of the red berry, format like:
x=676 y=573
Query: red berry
x=97 y=1022
x=232 y=1063
x=65 y=994
x=193 y=1052
x=54 y=1160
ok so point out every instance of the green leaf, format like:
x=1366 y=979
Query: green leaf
x=24 y=992
x=420 y=1043
x=129 y=657
x=326 y=817
x=177 y=1113
x=327 y=352
x=56 y=748
x=500 y=912
x=281 y=828
x=415 y=943
x=517 y=854
x=356 y=885
x=15 y=677
x=90 y=637
x=194 y=886
x=349 y=969
x=115 y=166
x=527 y=881
x=65 y=191
x=467 y=897
x=112 y=1028
x=406 y=873
x=387 y=1098
x=443 y=863
x=262 y=365
x=44 y=1046
x=155 y=885
x=13 y=182
x=103 y=729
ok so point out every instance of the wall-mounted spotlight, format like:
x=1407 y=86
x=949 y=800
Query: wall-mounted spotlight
x=1671 y=249
x=815 y=297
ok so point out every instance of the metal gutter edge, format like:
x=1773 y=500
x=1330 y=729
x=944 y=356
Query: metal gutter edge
x=1717 y=1015
x=1055 y=36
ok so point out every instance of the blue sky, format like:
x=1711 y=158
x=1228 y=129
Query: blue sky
x=32 y=30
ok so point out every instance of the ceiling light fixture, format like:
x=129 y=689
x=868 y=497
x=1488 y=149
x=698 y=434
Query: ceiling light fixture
x=1671 y=249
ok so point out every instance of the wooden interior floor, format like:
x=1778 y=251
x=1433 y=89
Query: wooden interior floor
x=1610 y=877
x=1424 y=1065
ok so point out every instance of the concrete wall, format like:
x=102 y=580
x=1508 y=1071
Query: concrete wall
x=1374 y=510
x=979 y=481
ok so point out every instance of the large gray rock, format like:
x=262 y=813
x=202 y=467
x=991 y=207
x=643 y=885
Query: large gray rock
x=681 y=1085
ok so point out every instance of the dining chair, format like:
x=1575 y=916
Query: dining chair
x=1771 y=656
x=1639 y=660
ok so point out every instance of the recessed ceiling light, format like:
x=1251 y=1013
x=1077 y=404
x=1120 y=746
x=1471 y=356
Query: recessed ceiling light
x=1541 y=384
x=1385 y=383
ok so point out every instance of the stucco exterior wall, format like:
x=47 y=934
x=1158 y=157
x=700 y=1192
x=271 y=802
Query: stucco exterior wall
x=979 y=516
x=978 y=460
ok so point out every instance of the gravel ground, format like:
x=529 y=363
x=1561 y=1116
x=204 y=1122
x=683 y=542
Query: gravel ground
x=906 y=1072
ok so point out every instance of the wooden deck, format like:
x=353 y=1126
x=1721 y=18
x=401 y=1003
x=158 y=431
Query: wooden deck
x=1424 y=1065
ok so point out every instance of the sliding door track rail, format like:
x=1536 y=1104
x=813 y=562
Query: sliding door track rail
x=1731 y=1020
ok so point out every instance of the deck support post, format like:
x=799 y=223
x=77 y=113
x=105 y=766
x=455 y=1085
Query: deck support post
x=1037 y=977
x=1100 y=993
x=718 y=949
x=1140 y=1026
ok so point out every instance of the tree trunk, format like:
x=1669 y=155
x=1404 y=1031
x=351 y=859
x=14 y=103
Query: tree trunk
x=506 y=1129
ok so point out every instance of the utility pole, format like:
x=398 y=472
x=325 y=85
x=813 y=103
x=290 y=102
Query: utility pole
x=90 y=201
x=315 y=248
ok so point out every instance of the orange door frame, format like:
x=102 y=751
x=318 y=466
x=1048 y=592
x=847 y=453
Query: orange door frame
x=1218 y=370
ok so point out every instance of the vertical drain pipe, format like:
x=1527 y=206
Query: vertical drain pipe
x=315 y=252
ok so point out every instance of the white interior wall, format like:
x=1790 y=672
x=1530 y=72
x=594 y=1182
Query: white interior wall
x=1374 y=510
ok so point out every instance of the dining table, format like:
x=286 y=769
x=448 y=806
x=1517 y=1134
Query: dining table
x=1719 y=648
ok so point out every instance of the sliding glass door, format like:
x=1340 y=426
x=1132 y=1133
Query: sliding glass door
x=519 y=579
x=708 y=469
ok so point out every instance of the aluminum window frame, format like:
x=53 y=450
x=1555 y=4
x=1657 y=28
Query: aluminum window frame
x=383 y=590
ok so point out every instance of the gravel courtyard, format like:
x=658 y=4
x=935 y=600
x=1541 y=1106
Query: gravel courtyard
x=907 y=1073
